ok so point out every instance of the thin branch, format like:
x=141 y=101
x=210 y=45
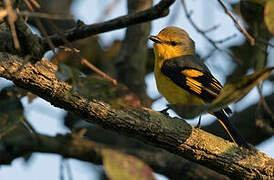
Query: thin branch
x=83 y=31
x=41 y=28
x=213 y=28
x=35 y=3
x=28 y=40
x=46 y=15
x=11 y=19
x=265 y=105
x=29 y=5
x=226 y=39
x=171 y=134
x=242 y=30
x=212 y=42
x=188 y=15
x=98 y=71
x=83 y=60
x=209 y=54
x=30 y=127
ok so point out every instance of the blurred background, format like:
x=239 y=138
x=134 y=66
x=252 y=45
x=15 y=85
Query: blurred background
x=208 y=16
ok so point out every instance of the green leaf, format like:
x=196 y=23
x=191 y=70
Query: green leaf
x=120 y=166
x=269 y=16
x=232 y=92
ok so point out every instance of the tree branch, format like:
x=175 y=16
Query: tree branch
x=131 y=62
x=171 y=134
x=83 y=31
x=170 y=165
x=75 y=147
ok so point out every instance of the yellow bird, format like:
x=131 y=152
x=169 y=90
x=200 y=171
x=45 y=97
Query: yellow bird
x=182 y=78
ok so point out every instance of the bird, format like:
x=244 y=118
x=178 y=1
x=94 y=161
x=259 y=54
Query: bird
x=182 y=78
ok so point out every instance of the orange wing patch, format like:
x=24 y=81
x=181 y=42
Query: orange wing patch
x=215 y=84
x=192 y=73
x=194 y=85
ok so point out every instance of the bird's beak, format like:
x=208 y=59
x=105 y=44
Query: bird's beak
x=155 y=39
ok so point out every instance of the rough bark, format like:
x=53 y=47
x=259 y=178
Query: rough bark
x=171 y=134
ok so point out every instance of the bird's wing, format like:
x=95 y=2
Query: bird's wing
x=193 y=76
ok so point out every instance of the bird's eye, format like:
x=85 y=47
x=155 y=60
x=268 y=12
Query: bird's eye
x=173 y=43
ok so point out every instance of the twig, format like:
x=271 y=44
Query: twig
x=35 y=3
x=31 y=128
x=226 y=39
x=11 y=19
x=209 y=54
x=188 y=15
x=29 y=5
x=242 y=30
x=83 y=60
x=61 y=34
x=213 y=28
x=265 y=105
x=41 y=27
x=95 y=69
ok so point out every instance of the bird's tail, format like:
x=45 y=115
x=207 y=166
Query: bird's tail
x=231 y=130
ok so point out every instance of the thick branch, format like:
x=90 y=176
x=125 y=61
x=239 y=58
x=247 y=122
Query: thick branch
x=161 y=161
x=172 y=134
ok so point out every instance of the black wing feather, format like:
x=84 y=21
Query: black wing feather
x=173 y=69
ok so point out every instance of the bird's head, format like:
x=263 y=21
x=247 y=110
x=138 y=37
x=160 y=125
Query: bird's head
x=172 y=42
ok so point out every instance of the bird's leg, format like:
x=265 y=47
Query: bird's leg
x=164 y=111
x=199 y=122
